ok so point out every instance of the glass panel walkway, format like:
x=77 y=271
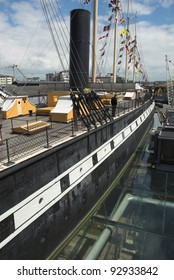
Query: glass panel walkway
x=136 y=219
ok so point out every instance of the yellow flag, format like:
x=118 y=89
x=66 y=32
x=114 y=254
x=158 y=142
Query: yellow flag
x=125 y=31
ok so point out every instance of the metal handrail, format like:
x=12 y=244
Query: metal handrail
x=20 y=146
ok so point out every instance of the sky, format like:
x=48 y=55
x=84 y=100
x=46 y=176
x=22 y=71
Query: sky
x=26 y=41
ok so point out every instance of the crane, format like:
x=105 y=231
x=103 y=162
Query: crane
x=169 y=82
x=14 y=66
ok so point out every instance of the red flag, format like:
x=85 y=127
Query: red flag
x=127 y=48
x=122 y=20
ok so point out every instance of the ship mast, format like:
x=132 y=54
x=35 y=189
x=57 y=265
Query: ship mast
x=126 y=64
x=95 y=24
x=115 y=44
x=135 y=45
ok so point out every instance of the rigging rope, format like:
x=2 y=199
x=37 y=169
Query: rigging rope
x=53 y=21
x=126 y=41
x=66 y=42
x=47 y=14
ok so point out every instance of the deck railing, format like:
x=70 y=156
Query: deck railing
x=23 y=146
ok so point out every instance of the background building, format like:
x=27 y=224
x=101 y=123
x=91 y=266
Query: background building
x=62 y=76
x=6 y=80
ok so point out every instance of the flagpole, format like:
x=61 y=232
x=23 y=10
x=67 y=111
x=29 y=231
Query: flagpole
x=95 y=24
x=115 y=44
x=126 y=66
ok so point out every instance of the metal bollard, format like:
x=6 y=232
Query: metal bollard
x=47 y=139
x=9 y=162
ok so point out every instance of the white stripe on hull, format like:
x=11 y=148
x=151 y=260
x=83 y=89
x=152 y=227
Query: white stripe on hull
x=39 y=202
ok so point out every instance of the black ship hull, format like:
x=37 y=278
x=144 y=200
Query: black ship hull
x=43 y=198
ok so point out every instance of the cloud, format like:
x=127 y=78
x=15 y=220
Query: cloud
x=155 y=44
x=155 y=38
x=147 y=7
x=166 y=3
x=26 y=40
x=143 y=9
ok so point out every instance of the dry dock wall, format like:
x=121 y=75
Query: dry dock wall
x=42 y=199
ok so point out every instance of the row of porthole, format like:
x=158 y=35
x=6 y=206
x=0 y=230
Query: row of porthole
x=74 y=196
x=94 y=158
x=94 y=161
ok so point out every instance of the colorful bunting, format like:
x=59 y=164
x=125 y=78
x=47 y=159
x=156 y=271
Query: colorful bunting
x=110 y=18
x=127 y=48
x=125 y=31
x=103 y=46
x=136 y=64
x=122 y=20
x=105 y=36
x=126 y=43
x=106 y=28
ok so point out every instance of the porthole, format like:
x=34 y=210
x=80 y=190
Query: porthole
x=40 y=200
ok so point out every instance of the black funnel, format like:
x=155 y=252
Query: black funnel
x=79 y=48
